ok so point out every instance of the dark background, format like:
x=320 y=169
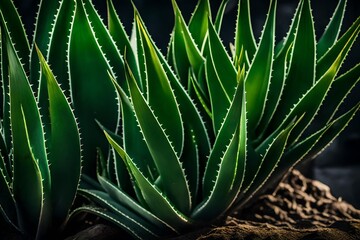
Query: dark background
x=339 y=165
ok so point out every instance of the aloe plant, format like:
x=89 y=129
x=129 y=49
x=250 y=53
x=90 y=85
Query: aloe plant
x=200 y=131
x=205 y=128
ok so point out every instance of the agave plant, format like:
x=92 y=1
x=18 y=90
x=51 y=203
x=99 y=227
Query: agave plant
x=205 y=129
x=40 y=160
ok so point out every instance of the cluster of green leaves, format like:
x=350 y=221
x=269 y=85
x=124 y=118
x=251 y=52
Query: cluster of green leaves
x=201 y=140
x=182 y=139
x=40 y=159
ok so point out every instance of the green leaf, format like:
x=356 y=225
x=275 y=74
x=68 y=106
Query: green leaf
x=301 y=75
x=190 y=115
x=335 y=128
x=190 y=161
x=46 y=16
x=160 y=96
x=341 y=87
x=166 y=160
x=343 y=44
x=185 y=50
x=332 y=30
x=285 y=43
x=133 y=141
x=24 y=106
x=4 y=94
x=104 y=39
x=5 y=162
x=257 y=80
x=220 y=15
x=156 y=201
x=31 y=169
x=11 y=19
x=117 y=215
x=230 y=174
x=7 y=201
x=312 y=100
x=226 y=133
x=201 y=96
x=198 y=24
x=315 y=143
x=218 y=97
x=138 y=46
x=28 y=188
x=88 y=70
x=270 y=160
x=122 y=41
x=244 y=36
x=56 y=50
x=64 y=147
x=225 y=71
x=275 y=91
x=124 y=200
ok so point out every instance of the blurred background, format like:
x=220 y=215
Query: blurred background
x=339 y=165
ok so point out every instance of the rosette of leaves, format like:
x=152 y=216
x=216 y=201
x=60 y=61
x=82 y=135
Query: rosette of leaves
x=40 y=161
x=205 y=129
x=200 y=131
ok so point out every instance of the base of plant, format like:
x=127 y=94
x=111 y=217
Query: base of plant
x=300 y=208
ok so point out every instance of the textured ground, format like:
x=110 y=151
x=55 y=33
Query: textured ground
x=299 y=209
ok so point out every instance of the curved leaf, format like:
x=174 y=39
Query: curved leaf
x=190 y=115
x=198 y=24
x=64 y=147
x=133 y=141
x=310 y=103
x=332 y=30
x=244 y=36
x=186 y=52
x=160 y=96
x=226 y=133
x=122 y=41
x=301 y=75
x=343 y=44
x=16 y=31
x=88 y=70
x=28 y=188
x=270 y=160
x=104 y=39
x=46 y=16
x=230 y=174
x=220 y=15
x=56 y=54
x=168 y=165
x=341 y=87
x=257 y=80
x=218 y=98
x=155 y=200
x=226 y=72
x=118 y=215
x=124 y=200
x=7 y=201
x=276 y=88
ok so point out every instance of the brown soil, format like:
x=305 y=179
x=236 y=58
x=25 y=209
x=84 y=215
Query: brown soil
x=299 y=209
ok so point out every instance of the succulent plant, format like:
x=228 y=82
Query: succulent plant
x=202 y=140
x=200 y=131
x=40 y=160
